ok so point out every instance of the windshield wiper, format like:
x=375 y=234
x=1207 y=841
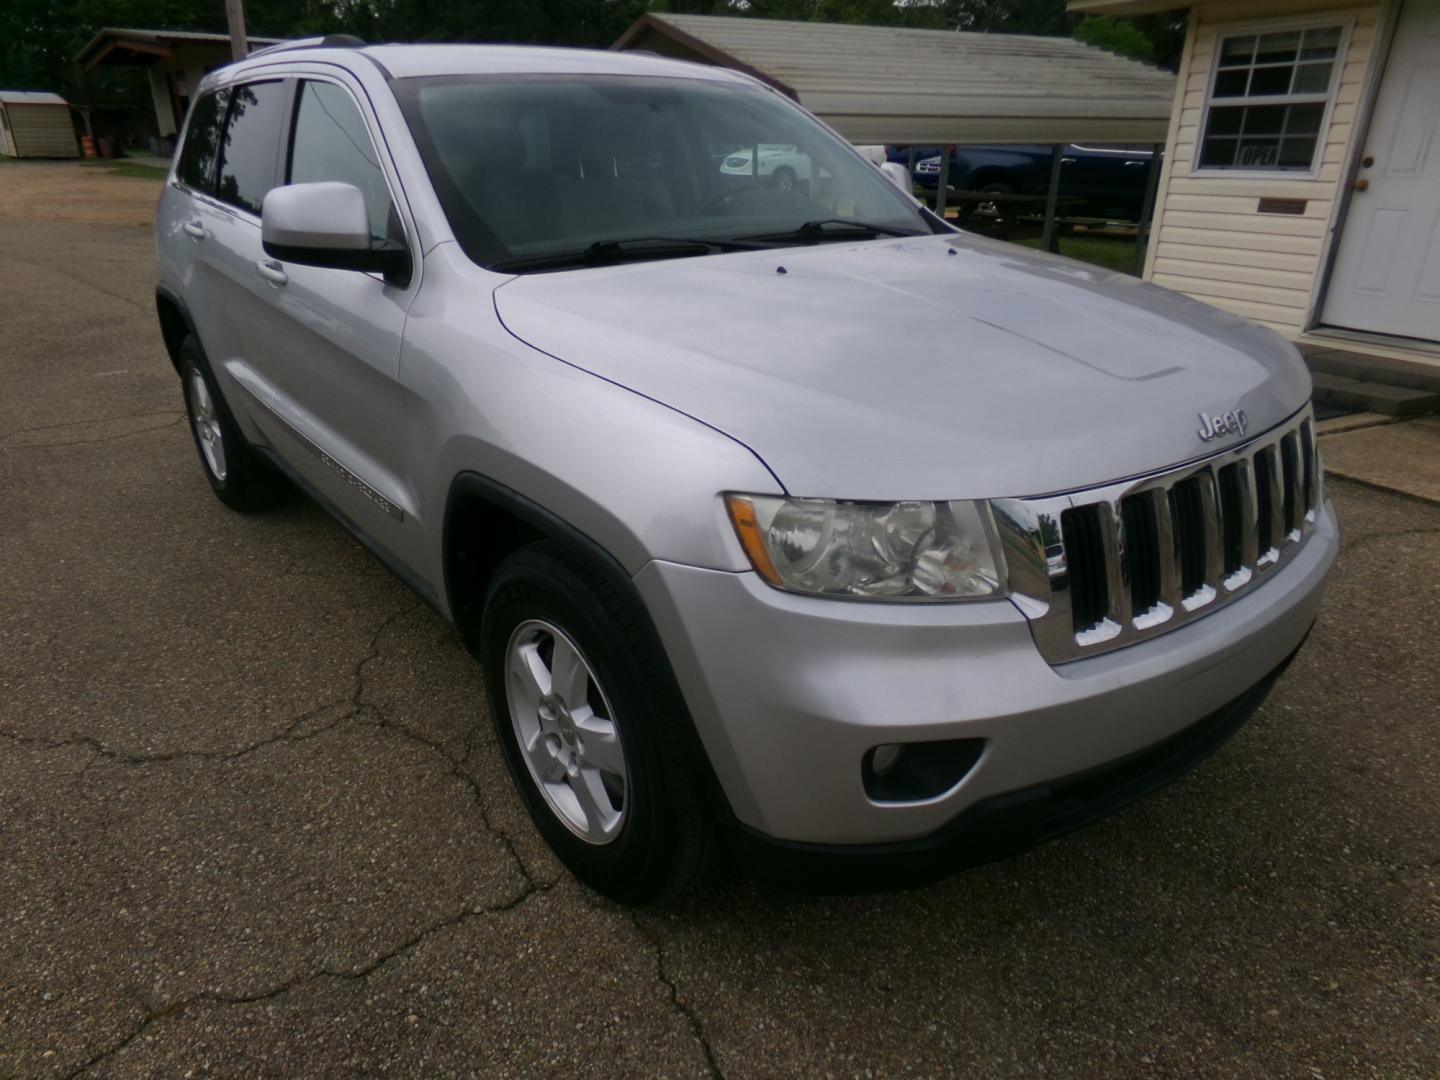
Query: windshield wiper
x=636 y=247
x=812 y=232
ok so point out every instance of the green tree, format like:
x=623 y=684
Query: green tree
x=1117 y=36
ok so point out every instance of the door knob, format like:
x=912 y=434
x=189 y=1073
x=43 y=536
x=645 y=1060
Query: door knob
x=1362 y=184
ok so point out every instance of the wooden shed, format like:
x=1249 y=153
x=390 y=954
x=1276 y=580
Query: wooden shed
x=36 y=124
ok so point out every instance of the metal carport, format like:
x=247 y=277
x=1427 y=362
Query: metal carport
x=877 y=84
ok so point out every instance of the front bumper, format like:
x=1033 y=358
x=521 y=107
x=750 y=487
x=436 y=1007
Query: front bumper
x=789 y=693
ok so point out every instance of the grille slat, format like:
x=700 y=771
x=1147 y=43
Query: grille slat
x=1188 y=514
x=1145 y=555
x=1232 y=515
x=1085 y=561
x=1142 y=551
x=1271 y=504
x=1311 y=463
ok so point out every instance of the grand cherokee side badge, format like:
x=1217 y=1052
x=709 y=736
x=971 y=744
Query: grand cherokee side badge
x=1231 y=423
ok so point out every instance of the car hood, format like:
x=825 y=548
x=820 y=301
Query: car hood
x=931 y=367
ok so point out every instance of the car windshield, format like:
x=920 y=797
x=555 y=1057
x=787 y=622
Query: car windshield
x=544 y=171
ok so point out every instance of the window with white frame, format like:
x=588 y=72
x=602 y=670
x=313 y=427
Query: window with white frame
x=1268 y=99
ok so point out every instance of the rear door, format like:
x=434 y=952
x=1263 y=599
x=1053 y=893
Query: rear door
x=245 y=171
x=327 y=373
x=186 y=219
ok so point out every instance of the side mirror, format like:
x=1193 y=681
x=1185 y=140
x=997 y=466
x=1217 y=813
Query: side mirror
x=898 y=175
x=326 y=224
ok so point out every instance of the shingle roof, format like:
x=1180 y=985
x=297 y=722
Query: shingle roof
x=887 y=84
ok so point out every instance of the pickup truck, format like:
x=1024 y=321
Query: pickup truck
x=1109 y=180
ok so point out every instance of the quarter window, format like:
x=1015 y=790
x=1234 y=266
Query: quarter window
x=249 y=146
x=331 y=142
x=202 y=143
x=1268 y=99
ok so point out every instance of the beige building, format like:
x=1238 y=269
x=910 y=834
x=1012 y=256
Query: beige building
x=1301 y=186
x=34 y=124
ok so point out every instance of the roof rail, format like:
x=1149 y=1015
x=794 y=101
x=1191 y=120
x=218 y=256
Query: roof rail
x=329 y=41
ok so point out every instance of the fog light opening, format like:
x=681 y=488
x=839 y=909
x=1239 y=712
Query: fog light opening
x=915 y=772
x=883 y=759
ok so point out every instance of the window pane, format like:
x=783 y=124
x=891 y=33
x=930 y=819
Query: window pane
x=1232 y=82
x=1278 y=48
x=1320 y=44
x=1297 y=153
x=1265 y=119
x=1237 y=50
x=1304 y=119
x=247 y=155
x=1270 y=80
x=1218 y=153
x=1226 y=121
x=331 y=142
x=202 y=143
x=1311 y=79
x=1258 y=154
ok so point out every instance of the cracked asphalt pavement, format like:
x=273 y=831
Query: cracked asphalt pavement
x=253 y=822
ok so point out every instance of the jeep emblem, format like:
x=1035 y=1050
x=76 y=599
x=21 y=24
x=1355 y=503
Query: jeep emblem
x=1230 y=423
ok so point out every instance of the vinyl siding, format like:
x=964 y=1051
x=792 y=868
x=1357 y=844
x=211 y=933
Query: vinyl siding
x=1209 y=239
x=42 y=131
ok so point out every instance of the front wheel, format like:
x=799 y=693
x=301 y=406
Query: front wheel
x=591 y=727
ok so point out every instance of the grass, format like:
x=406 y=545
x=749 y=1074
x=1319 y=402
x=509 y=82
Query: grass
x=1112 y=251
x=134 y=169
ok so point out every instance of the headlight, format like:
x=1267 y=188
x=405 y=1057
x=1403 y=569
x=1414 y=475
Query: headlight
x=882 y=551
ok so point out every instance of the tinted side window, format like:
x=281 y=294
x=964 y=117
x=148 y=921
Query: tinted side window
x=247 y=151
x=202 y=143
x=331 y=142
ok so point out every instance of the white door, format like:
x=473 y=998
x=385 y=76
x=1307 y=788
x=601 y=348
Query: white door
x=1387 y=271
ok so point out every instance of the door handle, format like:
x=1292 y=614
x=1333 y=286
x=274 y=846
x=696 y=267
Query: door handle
x=195 y=229
x=272 y=272
x=1067 y=161
x=1136 y=164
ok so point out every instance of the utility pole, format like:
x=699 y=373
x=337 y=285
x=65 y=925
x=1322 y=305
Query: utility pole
x=235 y=16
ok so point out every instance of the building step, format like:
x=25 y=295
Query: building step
x=1375 y=397
x=1368 y=367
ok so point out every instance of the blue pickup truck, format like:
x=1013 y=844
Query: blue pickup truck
x=1107 y=181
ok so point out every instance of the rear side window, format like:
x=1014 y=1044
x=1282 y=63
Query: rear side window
x=202 y=143
x=331 y=142
x=248 y=150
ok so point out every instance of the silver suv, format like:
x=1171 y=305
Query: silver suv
x=777 y=513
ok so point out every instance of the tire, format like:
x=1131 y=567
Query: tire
x=617 y=730
x=989 y=211
x=240 y=477
x=783 y=179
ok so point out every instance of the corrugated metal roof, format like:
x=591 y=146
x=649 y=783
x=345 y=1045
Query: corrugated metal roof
x=31 y=97
x=893 y=85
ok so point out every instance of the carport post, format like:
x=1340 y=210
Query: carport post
x=944 y=180
x=1052 y=196
x=1147 y=208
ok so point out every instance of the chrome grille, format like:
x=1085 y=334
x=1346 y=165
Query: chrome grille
x=1099 y=569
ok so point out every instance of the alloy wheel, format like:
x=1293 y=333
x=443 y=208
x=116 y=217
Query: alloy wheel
x=206 y=420
x=566 y=731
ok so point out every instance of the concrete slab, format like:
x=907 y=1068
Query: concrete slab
x=1374 y=396
x=1351 y=422
x=1403 y=458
